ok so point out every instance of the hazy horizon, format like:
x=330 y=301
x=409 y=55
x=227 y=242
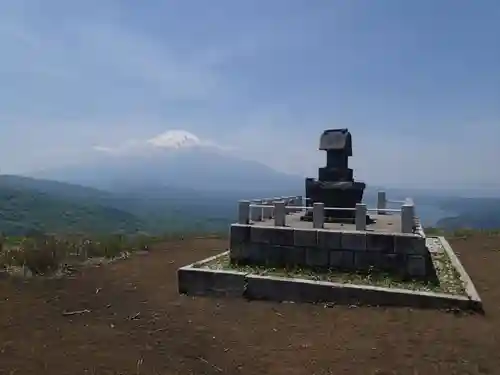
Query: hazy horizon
x=417 y=84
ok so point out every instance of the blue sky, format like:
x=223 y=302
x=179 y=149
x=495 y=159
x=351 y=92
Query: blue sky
x=416 y=82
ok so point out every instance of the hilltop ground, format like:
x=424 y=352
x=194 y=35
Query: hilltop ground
x=136 y=323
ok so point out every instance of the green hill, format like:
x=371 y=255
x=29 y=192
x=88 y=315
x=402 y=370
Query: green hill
x=28 y=204
x=23 y=211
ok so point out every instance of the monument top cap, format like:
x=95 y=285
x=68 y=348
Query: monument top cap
x=336 y=139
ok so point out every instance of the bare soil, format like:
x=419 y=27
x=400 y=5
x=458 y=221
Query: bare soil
x=131 y=320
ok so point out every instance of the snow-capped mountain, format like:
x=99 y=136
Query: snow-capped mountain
x=175 y=158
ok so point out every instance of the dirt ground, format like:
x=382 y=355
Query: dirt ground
x=136 y=323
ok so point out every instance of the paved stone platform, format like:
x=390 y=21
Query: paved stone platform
x=390 y=223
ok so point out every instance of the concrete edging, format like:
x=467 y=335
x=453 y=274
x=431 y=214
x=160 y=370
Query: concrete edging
x=470 y=289
x=302 y=290
x=194 y=280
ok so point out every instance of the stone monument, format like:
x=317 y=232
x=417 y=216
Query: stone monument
x=335 y=186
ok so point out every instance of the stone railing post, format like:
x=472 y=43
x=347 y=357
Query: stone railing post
x=318 y=215
x=307 y=203
x=298 y=203
x=293 y=203
x=267 y=212
x=287 y=203
x=256 y=212
x=275 y=199
x=279 y=213
x=381 y=202
x=407 y=217
x=243 y=212
x=360 y=218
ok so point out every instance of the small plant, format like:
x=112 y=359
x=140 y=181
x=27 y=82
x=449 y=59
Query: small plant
x=141 y=241
x=42 y=255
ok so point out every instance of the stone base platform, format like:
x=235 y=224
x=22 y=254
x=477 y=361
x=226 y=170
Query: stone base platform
x=198 y=280
x=396 y=253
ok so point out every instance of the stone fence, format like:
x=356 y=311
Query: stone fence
x=277 y=208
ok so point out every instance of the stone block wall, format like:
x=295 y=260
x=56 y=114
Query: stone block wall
x=397 y=253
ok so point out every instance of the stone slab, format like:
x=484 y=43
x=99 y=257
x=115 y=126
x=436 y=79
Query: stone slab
x=410 y=244
x=317 y=257
x=294 y=256
x=305 y=237
x=394 y=263
x=260 y=235
x=274 y=255
x=200 y=282
x=274 y=236
x=382 y=242
x=343 y=260
x=329 y=240
x=353 y=241
x=416 y=265
x=249 y=253
x=282 y=236
x=239 y=233
x=364 y=260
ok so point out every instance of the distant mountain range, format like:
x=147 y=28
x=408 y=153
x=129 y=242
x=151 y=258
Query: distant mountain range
x=195 y=167
x=28 y=205
x=187 y=186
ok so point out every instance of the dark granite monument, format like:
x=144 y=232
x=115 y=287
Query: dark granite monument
x=335 y=186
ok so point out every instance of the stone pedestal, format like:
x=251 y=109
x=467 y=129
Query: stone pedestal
x=335 y=186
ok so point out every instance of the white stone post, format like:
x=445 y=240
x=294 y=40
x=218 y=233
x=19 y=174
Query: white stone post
x=381 y=203
x=360 y=218
x=275 y=199
x=318 y=215
x=407 y=215
x=279 y=214
x=267 y=212
x=308 y=203
x=298 y=203
x=256 y=212
x=287 y=203
x=243 y=212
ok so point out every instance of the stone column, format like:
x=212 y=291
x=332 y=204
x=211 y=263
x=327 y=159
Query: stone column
x=360 y=217
x=318 y=215
x=381 y=203
x=279 y=214
x=300 y=203
x=307 y=203
x=256 y=212
x=407 y=215
x=243 y=212
x=267 y=212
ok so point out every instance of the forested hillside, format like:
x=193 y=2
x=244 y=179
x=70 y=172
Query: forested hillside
x=28 y=205
x=24 y=211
